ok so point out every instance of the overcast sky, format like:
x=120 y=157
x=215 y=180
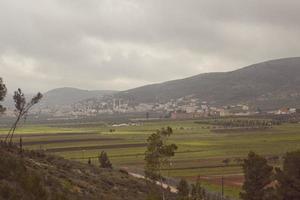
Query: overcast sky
x=121 y=44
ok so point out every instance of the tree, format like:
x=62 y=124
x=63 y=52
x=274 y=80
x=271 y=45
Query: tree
x=158 y=154
x=226 y=161
x=197 y=192
x=289 y=177
x=257 y=174
x=104 y=160
x=21 y=109
x=3 y=92
x=183 y=190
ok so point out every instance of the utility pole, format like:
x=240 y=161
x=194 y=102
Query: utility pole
x=222 y=187
x=21 y=145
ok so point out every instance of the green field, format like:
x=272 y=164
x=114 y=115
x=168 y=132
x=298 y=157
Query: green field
x=200 y=151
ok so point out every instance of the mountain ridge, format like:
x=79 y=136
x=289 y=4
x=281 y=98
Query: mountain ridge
x=69 y=95
x=259 y=84
x=268 y=85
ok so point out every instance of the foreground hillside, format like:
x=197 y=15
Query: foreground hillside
x=35 y=175
x=267 y=85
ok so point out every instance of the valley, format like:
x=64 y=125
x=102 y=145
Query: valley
x=201 y=151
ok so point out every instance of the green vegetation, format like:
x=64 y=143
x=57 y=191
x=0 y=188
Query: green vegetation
x=262 y=183
x=3 y=91
x=240 y=122
x=197 y=191
x=28 y=181
x=183 y=190
x=201 y=152
x=158 y=155
x=21 y=108
x=34 y=175
x=104 y=160
x=289 y=177
x=257 y=174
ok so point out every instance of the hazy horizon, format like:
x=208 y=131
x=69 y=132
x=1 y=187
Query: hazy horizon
x=88 y=89
x=112 y=45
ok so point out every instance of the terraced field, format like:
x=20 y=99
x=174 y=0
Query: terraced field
x=201 y=151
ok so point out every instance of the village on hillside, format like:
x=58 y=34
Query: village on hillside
x=188 y=107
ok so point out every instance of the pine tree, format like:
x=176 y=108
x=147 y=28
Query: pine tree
x=158 y=155
x=3 y=91
x=289 y=177
x=183 y=190
x=104 y=160
x=197 y=192
x=257 y=174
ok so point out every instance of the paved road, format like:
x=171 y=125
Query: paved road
x=172 y=188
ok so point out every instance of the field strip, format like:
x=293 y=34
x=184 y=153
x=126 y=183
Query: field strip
x=112 y=146
x=132 y=155
x=201 y=167
x=70 y=141
x=50 y=134
x=224 y=175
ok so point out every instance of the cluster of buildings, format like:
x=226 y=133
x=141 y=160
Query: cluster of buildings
x=205 y=110
x=187 y=107
x=285 y=111
x=181 y=108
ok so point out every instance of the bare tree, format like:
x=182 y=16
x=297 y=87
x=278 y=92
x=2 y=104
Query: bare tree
x=21 y=108
x=3 y=91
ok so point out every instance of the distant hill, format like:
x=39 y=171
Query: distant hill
x=62 y=96
x=267 y=85
x=67 y=96
x=36 y=175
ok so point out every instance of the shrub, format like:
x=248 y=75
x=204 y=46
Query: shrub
x=104 y=160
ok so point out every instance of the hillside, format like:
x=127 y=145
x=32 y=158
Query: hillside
x=268 y=85
x=63 y=96
x=67 y=96
x=39 y=176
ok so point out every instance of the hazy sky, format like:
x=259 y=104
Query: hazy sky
x=120 y=44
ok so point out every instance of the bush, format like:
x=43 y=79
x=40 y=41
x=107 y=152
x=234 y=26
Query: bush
x=289 y=177
x=183 y=190
x=104 y=160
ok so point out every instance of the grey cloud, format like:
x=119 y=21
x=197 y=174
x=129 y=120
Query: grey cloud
x=110 y=44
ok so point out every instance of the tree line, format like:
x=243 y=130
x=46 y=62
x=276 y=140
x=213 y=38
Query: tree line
x=262 y=181
x=265 y=182
x=229 y=123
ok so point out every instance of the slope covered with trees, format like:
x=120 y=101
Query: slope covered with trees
x=268 y=85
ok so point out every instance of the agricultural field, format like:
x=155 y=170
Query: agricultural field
x=203 y=152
